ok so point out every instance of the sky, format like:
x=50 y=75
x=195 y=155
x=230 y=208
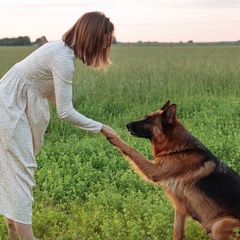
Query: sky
x=134 y=20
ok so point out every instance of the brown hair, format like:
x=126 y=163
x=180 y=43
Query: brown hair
x=90 y=38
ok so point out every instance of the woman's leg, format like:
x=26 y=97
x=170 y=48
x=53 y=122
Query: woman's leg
x=12 y=233
x=23 y=231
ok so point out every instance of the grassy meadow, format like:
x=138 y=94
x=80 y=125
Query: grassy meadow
x=85 y=189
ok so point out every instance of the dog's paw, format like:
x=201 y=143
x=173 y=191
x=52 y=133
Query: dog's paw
x=113 y=138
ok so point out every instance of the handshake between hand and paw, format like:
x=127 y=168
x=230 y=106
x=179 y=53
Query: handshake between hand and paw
x=110 y=135
x=112 y=138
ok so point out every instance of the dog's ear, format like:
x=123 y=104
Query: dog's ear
x=169 y=115
x=165 y=105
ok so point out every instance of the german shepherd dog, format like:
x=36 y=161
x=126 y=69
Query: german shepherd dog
x=198 y=184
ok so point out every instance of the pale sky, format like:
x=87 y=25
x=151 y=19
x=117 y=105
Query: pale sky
x=134 y=20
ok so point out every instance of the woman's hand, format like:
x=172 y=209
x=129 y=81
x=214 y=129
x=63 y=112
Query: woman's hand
x=106 y=129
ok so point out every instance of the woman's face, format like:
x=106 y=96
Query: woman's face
x=106 y=39
x=104 y=43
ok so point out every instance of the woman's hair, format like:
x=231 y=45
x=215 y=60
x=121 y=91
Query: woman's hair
x=91 y=38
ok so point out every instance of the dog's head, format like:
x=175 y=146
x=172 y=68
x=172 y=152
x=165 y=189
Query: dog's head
x=156 y=126
x=155 y=123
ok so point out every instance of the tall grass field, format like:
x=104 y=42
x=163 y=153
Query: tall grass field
x=85 y=189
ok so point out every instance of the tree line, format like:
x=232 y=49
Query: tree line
x=19 y=41
x=25 y=41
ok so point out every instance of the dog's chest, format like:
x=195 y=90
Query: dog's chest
x=173 y=186
x=177 y=190
x=182 y=194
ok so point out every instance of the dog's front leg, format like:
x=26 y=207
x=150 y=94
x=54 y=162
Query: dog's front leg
x=179 y=225
x=140 y=163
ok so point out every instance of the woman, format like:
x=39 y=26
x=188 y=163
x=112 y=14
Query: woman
x=25 y=89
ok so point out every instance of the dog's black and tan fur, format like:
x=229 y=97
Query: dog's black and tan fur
x=197 y=183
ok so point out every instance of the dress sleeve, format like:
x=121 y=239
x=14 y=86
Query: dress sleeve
x=62 y=77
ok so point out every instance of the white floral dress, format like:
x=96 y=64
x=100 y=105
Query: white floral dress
x=25 y=89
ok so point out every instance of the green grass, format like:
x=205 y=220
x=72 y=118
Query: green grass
x=85 y=188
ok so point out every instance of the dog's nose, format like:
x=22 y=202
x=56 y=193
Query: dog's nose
x=128 y=126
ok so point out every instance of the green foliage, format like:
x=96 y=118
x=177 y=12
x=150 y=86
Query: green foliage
x=237 y=234
x=85 y=188
x=10 y=55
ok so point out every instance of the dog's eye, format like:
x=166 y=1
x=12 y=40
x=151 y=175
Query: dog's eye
x=148 y=121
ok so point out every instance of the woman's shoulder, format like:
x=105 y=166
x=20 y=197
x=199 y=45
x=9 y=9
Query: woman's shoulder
x=57 y=45
x=58 y=50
